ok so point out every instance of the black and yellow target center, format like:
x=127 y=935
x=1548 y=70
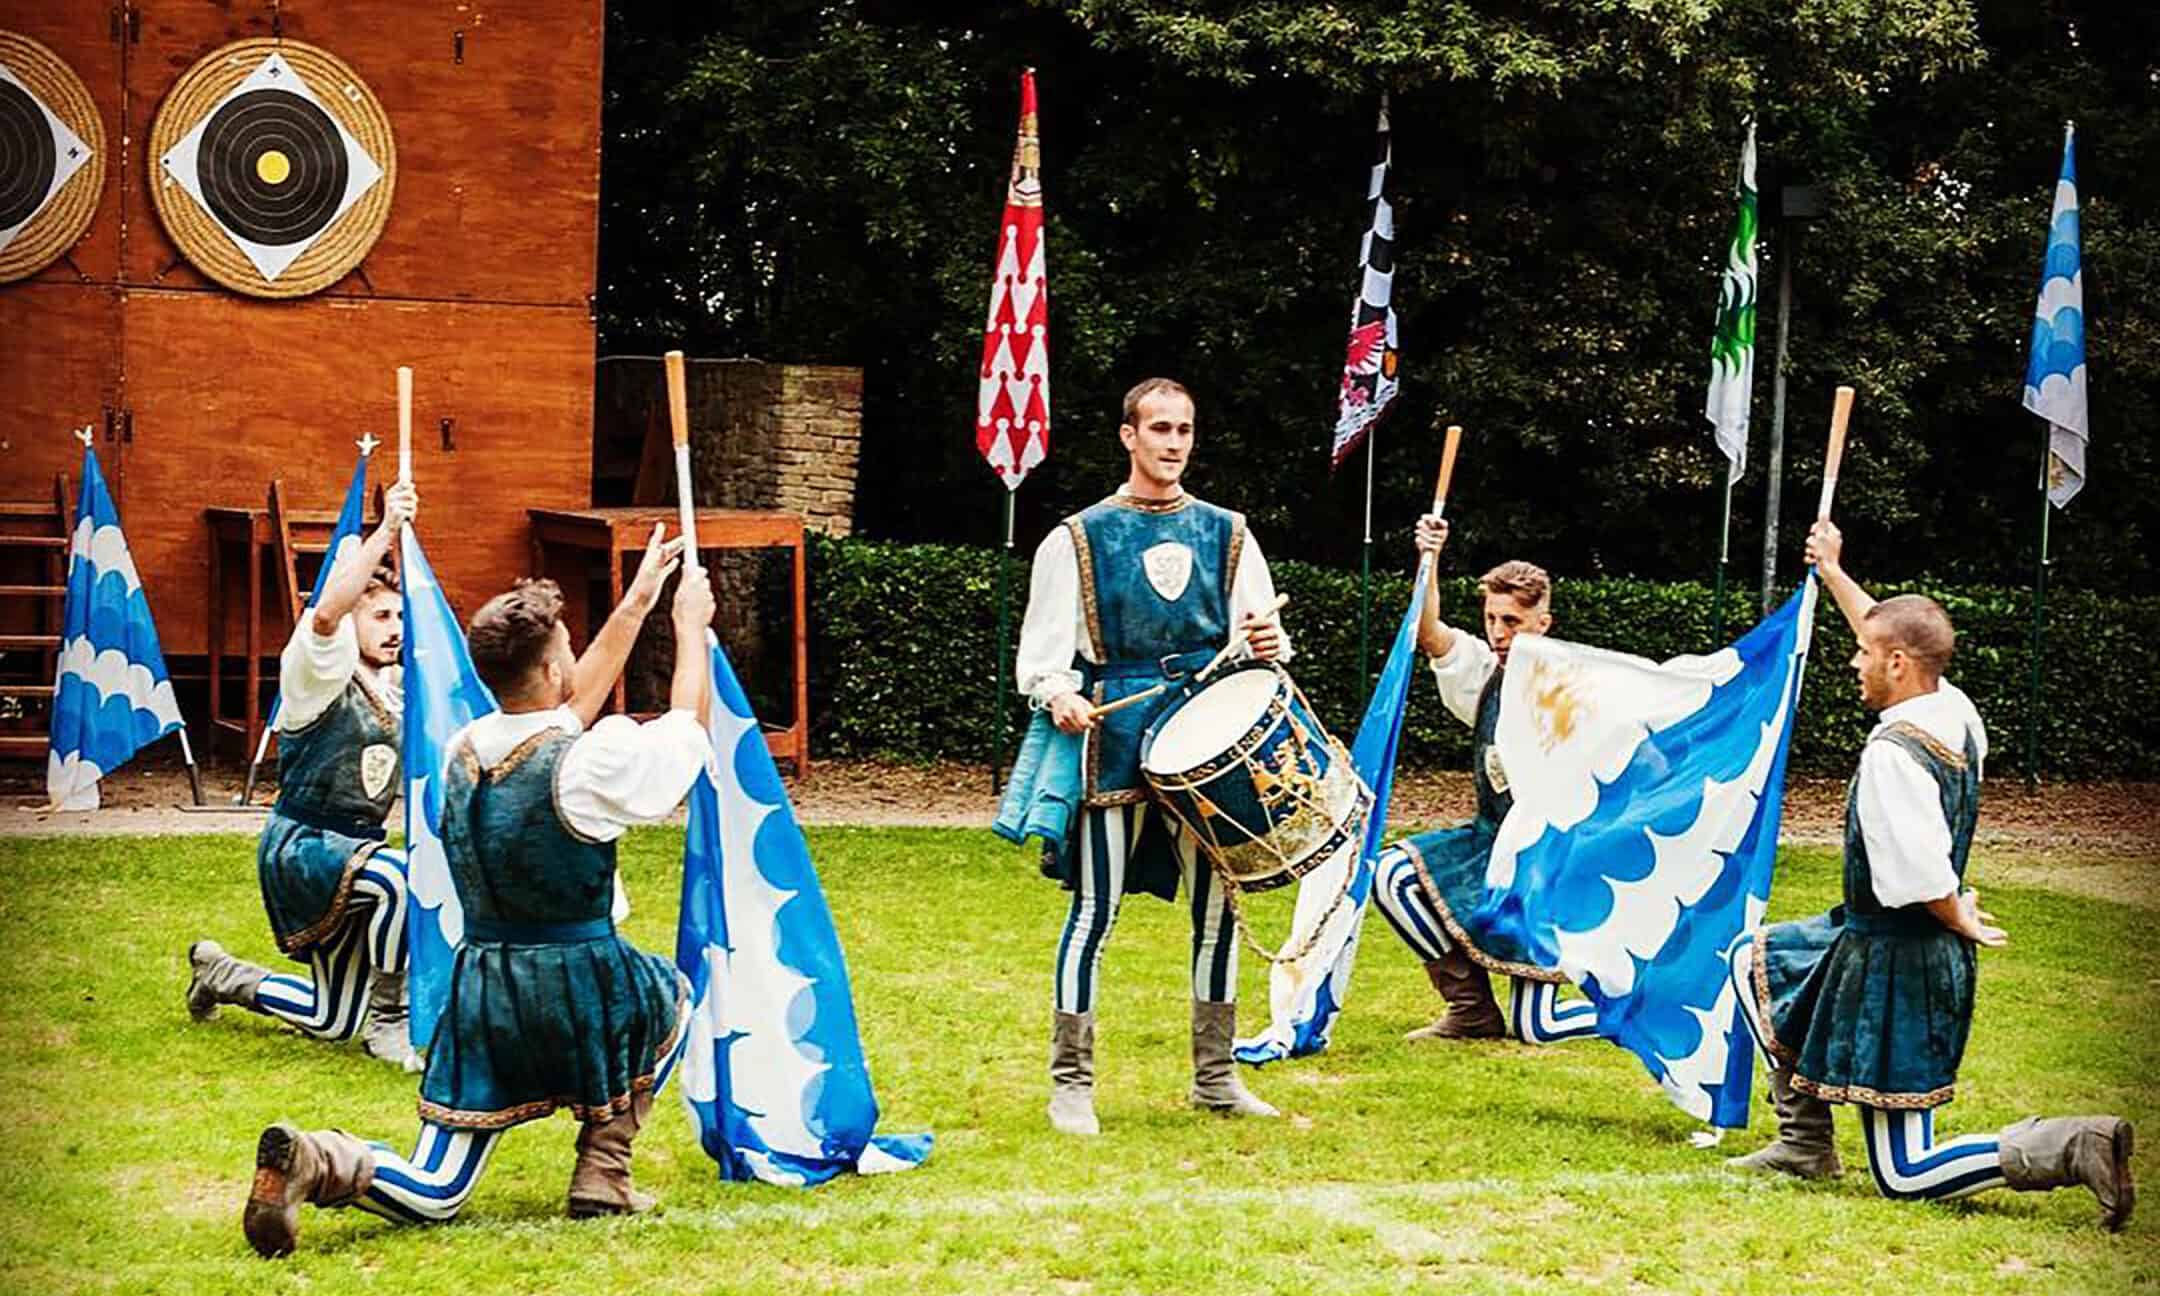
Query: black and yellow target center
x=272 y=167
x=27 y=156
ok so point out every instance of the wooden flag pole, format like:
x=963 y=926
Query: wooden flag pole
x=1840 y=414
x=404 y=425
x=678 y=397
x=1428 y=566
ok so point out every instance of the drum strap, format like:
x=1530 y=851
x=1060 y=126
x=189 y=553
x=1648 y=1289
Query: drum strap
x=1174 y=666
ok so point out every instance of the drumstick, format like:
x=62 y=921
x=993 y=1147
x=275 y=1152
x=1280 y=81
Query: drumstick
x=1095 y=713
x=679 y=421
x=404 y=425
x=1840 y=412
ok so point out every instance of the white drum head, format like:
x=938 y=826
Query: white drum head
x=1205 y=727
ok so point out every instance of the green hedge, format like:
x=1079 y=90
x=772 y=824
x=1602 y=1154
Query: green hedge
x=901 y=649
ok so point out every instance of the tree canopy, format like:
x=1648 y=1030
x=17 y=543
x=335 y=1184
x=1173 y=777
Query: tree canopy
x=821 y=182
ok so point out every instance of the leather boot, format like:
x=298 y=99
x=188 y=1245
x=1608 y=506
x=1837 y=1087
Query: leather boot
x=1806 y=1145
x=325 y=1168
x=1072 y=1074
x=600 y=1185
x=215 y=977
x=386 y=1036
x=1471 y=1012
x=1216 y=1086
x=2065 y=1151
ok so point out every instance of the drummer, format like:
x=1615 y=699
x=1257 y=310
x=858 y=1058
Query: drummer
x=1430 y=886
x=1142 y=587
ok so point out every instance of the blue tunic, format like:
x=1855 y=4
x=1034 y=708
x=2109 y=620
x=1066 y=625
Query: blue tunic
x=548 y=1007
x=1144 y=631
x=1451 y=862
x=1871 y=1005
x=337 y=778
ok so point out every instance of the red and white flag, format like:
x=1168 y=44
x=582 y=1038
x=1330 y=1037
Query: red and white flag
x=1012 y=408
x=1368 y=376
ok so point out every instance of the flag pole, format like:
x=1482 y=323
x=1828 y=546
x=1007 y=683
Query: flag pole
x=2039 y=630
x=1724 y=552
x=1364 y=621
x=1003 y=559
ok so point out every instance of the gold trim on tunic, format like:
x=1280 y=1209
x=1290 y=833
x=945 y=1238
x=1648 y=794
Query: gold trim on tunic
x=1524 y=971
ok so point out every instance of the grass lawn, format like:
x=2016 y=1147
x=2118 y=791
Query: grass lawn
x=130 y=1131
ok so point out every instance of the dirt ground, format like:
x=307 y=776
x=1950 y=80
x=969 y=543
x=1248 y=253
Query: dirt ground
x=2099 y=839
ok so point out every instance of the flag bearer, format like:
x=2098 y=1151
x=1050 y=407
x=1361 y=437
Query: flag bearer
x=1871 y=1003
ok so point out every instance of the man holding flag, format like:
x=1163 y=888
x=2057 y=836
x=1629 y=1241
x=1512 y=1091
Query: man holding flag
x=548 y=1007
x=1871 y=1003
x=337 y=898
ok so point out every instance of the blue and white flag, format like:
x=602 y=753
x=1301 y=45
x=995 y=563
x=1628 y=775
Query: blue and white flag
x=2055 y=375
x=1305 y=994
x=351 y=516
x=111 y=695
x=442 y=695
x=774 y=1071
x=1645 y=825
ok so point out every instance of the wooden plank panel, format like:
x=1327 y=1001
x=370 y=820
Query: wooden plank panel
x=229 y=392
x=59 y=366
x=498 y=156
x=81 y=35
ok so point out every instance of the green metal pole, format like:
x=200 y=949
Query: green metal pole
x=1364 y=602
x=998 y=678
x=2039 y=634
x=1724 y=552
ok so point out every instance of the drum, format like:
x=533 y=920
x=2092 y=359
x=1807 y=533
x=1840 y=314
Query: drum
x=1251 y=772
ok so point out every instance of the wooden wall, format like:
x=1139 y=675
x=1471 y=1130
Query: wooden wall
x=481 y=282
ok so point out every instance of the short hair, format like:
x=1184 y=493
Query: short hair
x=1147 y=387
x=1918 y=625
x=1523 y=581
x=510 y=634
x=384 y=577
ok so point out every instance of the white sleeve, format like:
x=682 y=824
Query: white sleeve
x=1461 y=674
x=619 y=772
x=1050 y=633
x=1252 y=589
x=313 y=670
x=1972 y=721
x=1901 y=821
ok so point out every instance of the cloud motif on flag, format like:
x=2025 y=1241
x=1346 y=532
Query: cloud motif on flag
x=2055 y=371
x=774 y=1071
x=1644 y=832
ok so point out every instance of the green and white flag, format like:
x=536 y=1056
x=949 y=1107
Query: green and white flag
x=1732 y=351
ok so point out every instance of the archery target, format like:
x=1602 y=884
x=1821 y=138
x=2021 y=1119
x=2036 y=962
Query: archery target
x=286 y=165
x=50 y=173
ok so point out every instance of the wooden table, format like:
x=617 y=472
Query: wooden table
x=614 y=532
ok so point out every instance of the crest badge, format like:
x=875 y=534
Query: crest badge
x=1169 y=569
x=378 y=765
x=1495 y=772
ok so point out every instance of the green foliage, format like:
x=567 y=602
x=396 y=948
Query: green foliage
x=902 y=635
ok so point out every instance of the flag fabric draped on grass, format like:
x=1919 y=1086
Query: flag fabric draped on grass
x=2055 y=375
x=774 y=1071
x=442 y=695
x=111 y=694
x=1732 y=349
x=1368 y=379
x=1012 y=406
x=1644 y=831
x=1306 y=994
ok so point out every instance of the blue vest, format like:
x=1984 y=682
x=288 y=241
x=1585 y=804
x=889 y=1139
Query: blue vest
x=325 y=821
x=1145 y=629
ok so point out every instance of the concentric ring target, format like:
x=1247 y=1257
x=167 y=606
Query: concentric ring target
x=273 y=167
x=52 y=157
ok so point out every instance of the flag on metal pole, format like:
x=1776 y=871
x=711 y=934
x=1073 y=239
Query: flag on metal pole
x=111 y=694
x=774 y=1071
x=1012 y=404
x=443 y=694
x=1732 y=348
x=1368 y=379
x=2055 y=374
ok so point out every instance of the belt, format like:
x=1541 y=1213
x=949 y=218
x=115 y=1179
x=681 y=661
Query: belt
x=1913 y=921
x=1170 y=666
x=322 y=822
x=516 y=933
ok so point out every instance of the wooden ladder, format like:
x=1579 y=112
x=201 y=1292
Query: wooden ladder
x=34 y=540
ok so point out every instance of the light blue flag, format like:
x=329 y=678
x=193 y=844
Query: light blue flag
x=350 y=517
x=111 y=695
x=1305 y=994
x=2055 y=375
x=442 y=695
x=774 y=1071
x=1647 y=801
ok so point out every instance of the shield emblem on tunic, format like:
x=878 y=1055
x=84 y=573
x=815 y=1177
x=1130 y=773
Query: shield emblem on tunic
x=377 y=764
x=1169 y=568
x=1495 y=772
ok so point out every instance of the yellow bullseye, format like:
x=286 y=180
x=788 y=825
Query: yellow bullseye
x=273 y=166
